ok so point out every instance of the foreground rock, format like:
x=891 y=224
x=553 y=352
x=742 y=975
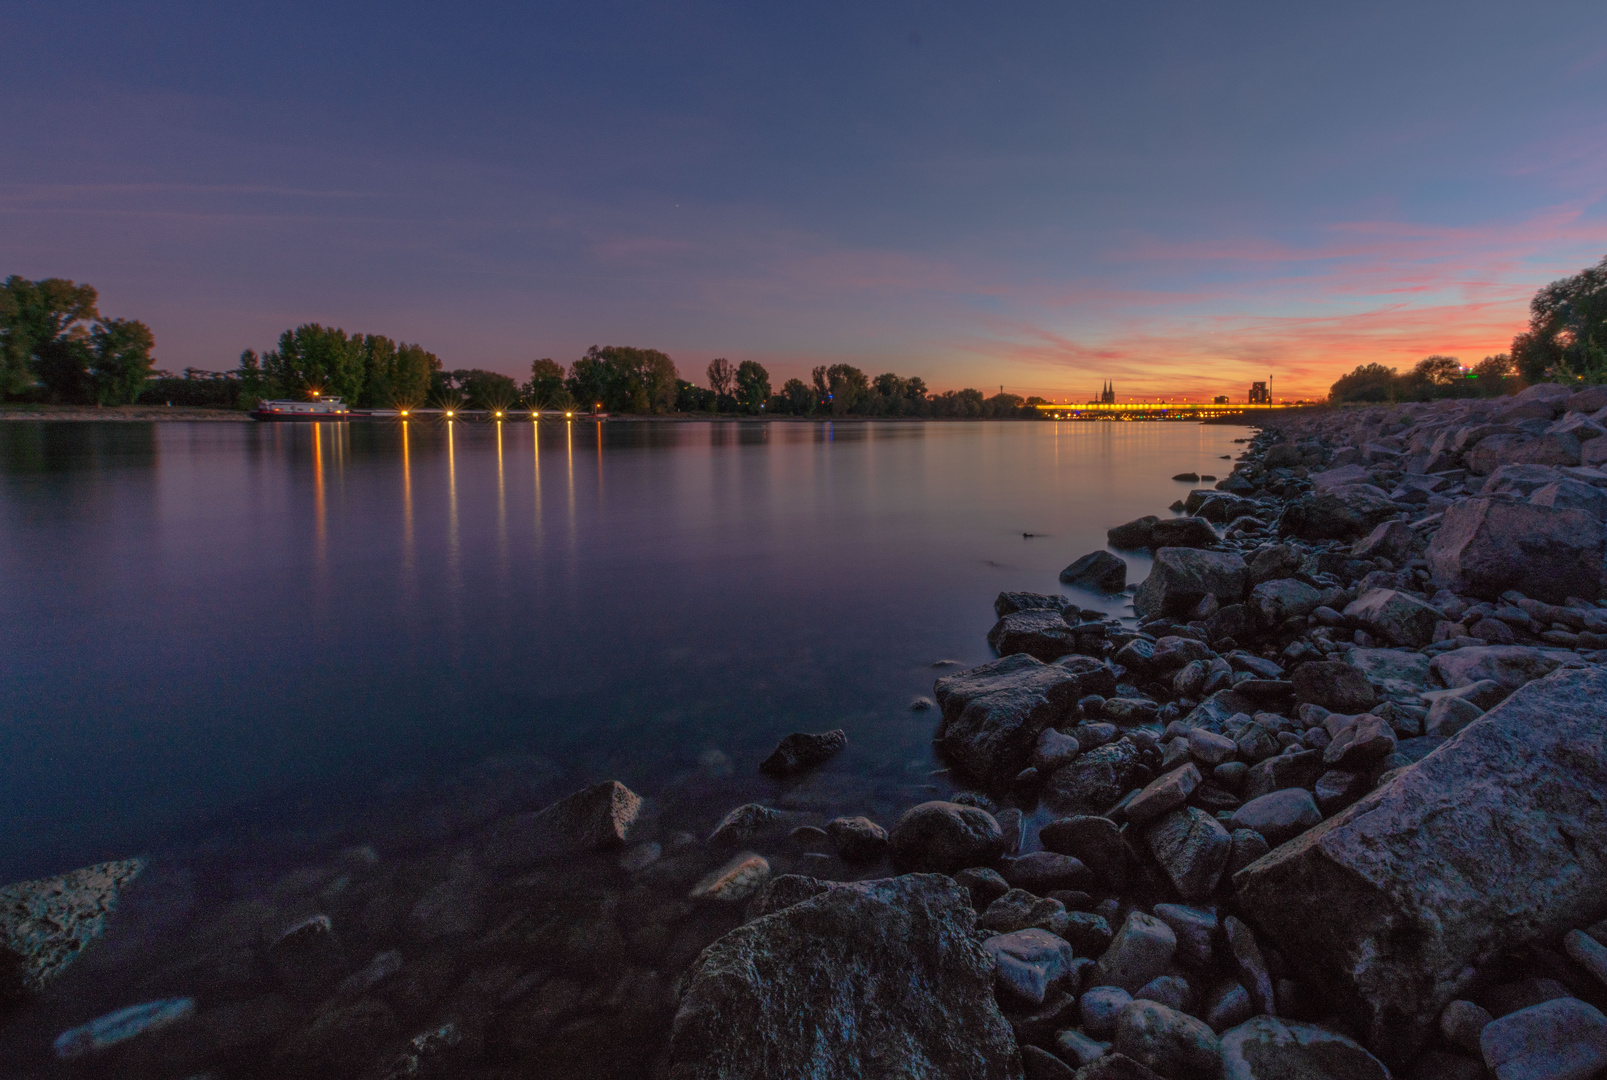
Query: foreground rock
x=1496 y=840
x=1564 y=1039
x=942 y=837
x=879 y=978
x=46 y=924
x=1487 y=546
x=1266 y=1048
x=597 y=817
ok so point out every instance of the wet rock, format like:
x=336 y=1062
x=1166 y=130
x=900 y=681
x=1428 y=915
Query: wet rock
x=1076 y=1049
x=1096 y=842
x=1019 y=909
x=1334 y=685
x=1182 y=577
x=1008 y=603
x=308 y=959
x=858 y=839
x=1134 y=534
x=46 y=924
x=1509 y=666
x=1182 y=533
x=1028 y=962
x=993 y=714
x=1099 y=1008
x=1588 y=953
x=1053 y=750
x=1210 y=747
x=1266 y=1048
x=802 y=751
x=1397 y=617
x=1194 y=928
x=1226 y=1005
x=597 y=817
x=1487 y=546
x=1217 y=709
x=1097 y=570
x=984 y=885
x=1173 y=991
x=1173 y=651
x=1172 y=1043
x=1044 y=635
x=1249 y=963
x=1468 y=853
x=1360 y=745
x=748 y=822
x=753 y=1005
x=1045 y=871
x=735 y=881
x=1192 y=849
x=943 y=837
x=1565 y=1039
x=1141 y=950
x=1163 y=794
x=107 y=1031
x=1279 y=816
x=1097 y=779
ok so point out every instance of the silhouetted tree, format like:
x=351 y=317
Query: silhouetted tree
x=752 y=386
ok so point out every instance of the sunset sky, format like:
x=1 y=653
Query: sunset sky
x=1179 y=197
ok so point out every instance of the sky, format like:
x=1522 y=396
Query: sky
x=1178 y=197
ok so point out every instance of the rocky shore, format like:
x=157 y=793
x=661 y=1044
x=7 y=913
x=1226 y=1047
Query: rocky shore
x=1332 y=803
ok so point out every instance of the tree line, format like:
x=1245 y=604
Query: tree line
x=1565 y=341
x=55 y=346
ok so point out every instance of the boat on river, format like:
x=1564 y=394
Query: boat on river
x=323 y=408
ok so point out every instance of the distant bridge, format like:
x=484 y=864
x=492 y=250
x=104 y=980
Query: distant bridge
x=1152 y=410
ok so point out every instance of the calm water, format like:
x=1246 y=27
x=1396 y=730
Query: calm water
x=206 y=629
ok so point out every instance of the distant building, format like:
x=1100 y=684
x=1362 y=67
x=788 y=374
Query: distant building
x=1107 y=394
x=1220 y=399
x=1259 y=394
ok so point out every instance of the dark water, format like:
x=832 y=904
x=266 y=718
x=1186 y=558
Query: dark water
x=302 y=668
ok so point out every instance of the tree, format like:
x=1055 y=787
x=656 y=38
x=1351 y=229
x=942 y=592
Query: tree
x=119 y=360
x=1498 y=366
x=624 y=379
x=44 y=337
x=314 y=359
x=1369 y=382
x=846 y=388
x=800 y=398
x=752 y=386
x=546 y=383
x=1437 y=370
x=721 y=375
x=1567 y=335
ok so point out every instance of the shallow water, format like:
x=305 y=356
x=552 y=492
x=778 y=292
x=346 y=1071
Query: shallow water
x=236 y=648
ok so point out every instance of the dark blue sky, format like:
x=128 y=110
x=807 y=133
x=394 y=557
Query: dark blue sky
x=1176 y=196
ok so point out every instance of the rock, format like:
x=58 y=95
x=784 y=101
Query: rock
x=1573 y=495
x=1248 y=846
x=1097 y=780
x=1097 y=570
x=1163 y=794
x=1185 y=532
x=1272 y=602
x=739 y=878
x=1398 y=617
x=1565 y=1039
x=993 y=714
x=1099 y=1007
x=1027 y=962
x=113 y=1028
x=1334 y=685
x=1509 y=666
x=1361 y=745
x=1338 y=788
x=984 y=885
x=1462 y=1022
x=1007 y=603
x=1226 y=1005
x=1039 y=1064
x=1044 y=635
x=1392 y=540
x=1088 y=933
x=1192 y=849
x=1401 y=672
x=747 y=822
x=1020 y=910
x=1209 y=747
x=1053 y=750
x=1440 y=1065
x=1266 y=1048
x=1339 y=513
x=858 y=839
x=1134 y=534
x=1487 y=546
x=943 y=837
x=597 y=817
x=1096 y=842
x=1173 y=991
x=802 y=751
x=1182 y=577
x=1194 y=928
x=1499 y=450
x=1288 y=770
x=1588 y=953
x=1141 y=950
x=1075 y=1048
x=1172 y=652
x=1130 y=711
x=823 y=988
x=1448 y=715
x=1172 y=1043
x=1113 y=1066
x=1045 y=871
x=1216 y=709
x=1249 y=963
x=308 y=959
x=46 y=924
x=1469 y=853
x=1279 y=816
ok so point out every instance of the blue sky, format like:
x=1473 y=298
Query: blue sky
x=1179 y=197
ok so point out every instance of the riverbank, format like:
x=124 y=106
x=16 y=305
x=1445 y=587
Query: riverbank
x=116 y=413
x=1126 y=871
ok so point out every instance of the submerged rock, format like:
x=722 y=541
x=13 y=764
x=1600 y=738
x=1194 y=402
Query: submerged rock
x=802 y=750
x=878 y=978
x=46 y=924
x=1097 y=570
x=597 y=817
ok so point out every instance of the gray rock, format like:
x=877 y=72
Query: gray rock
x=1338 y=788
x=984 y=885
x=943 y=837
x=1359 y=745
x=1076 y=1049
x=1287 y=770
x=1173 y=651
x=1509 y=666
x=1215 y=710
x=1007 y=603
x=1448 y=715
x=1249 y=963
x=1172 y=1043
x=47 y=923
x=802 y=751
x=1164 y=794
x=308 y=959
x=1573 y=495
x=1045 y=871
x=1226 y=1005
x=1334 y=685
x=1182 y=533
x=1462 y=1022
x=1498 y=450
x=1088 y=933
x=993 y=714
x=1392 y=540
x=1475 y=850
x=1044 y=635
x=1274 y=601
x=1182 y=577
x=1397 y=617
x=1565 y=1039
x=600 y=816
x=1588 y=953
x=1339 y=513
x=1134 y=534
x=1053 y=750
x=1096 y=780
x=1194 y=928
x=1266 y=1048
x=1401 y=672
x=1279 y=816
x=1140 y=951
x=733 y=882
x=1173 y=991
x=1039 y=1064
x=1487 y=546
x=754 y=1006
x=1094 y=841
x=1248 y=846
x=748 y=822
x=1210 y=747
x=1021 y=910
x=1097 y=570
x=1099 y=1007
x=1028 y=962
x=858 y=839
x=1192 y=849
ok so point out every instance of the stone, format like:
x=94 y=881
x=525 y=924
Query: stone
x=1273 y=602
x=1045 y=871
x=739 y=878
x=1173 y=991
x=1164 y=794
x=1477 y=849
x=1053 y=750
x=1130 y=711
x=942 y=837
x=1573 y=495
x=1448 y=715
x=858 y=839
x=1098 y=570
x=748 y=822
x=1334 y=685
x=1113 y=1066
x=984 y=885
x=1007 y=603
x=1498 y=450
x=1134 y=534
x=597 y=817
x=1217 y=709
x=1192 y=849
x=1441 y=1065
x=1462 y=1022
x=1249 y=963
x=1299 y=769
x=1172 y=1043
x=1396 y=616
x=1044 y=635
x=107 y=1031
x=1338 y=513
x=1565 y=1039
x=1279 y=816
x=1248 y=846
x=1182 y=533
x=802 y=751
x=1088 y=933
x=1097 y=780
x=1020 y=910
x=1338 y=788
x=1099 y=1007
x=1194 y=928
x=1400 y=672
x=1140 y=951
x=1588 y=953
x=1028 y=962
x=1487 y=546
x=1392 y=540
x=1039 y=1064
x=993 y=714
x=1075 y=1048
x=1509 y=666
x=1096 y=842
x=1182 y=577
x=823 y=988
x=1361 y=745
x=1173 y=651
x=46 y=924
x=308 y=960
x=1267 y=1048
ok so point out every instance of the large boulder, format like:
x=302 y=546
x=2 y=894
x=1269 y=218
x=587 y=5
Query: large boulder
x=597 y=817
x=1554 y=449
x=942 y=837
x=1097 y=570
x=1339 y=513
x=1096 y=779
x=1561 y=1039
x=1044 y=635
x=1510 y=666
x=1283 y=598
x=1570 y=494
x=878 y=978
x=993 y=714
x=1496 y=840
x=46 y=924
x=1488 y=546
x=1267 y=1048
x=1334 y=685
x=1182 y=577
x=1398 y=617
